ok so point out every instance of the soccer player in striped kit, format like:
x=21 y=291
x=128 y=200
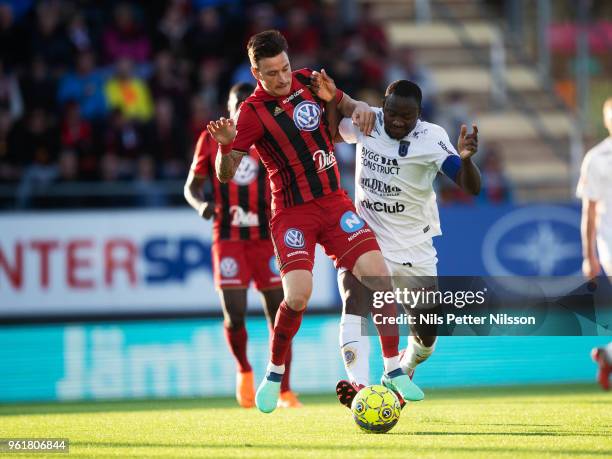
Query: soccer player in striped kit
x=285 y=119
x=242 y=250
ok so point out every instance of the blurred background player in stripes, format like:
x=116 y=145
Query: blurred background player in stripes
x=242 y=250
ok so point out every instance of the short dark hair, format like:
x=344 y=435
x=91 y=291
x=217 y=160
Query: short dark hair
x=405 y=88
x=242 y=91
x=268 y=43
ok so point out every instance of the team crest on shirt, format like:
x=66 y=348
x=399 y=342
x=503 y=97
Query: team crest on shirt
x=228 y=267
x=403 y=148
x=247 y=171
x=294 y=238
x=307 y=116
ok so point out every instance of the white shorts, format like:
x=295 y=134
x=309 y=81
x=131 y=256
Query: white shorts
x=418 y=271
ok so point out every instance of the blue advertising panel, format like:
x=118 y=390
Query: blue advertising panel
x=186 y=358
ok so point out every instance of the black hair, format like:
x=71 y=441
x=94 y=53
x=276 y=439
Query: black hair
x=268 y=43
x=405 y=88
x=242 y=91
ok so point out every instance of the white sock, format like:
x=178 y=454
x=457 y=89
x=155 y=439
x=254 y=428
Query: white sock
x=415 y=354
x=391 y=363
x=355 y=348
x=279 y=369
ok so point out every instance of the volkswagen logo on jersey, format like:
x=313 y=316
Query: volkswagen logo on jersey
x=228 y=267
x=351 y=222
x=247 y=171
x=307 y=115
x=294 y=238
x=274 y=266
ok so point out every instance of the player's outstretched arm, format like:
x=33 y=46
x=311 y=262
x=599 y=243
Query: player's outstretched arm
x=227 y=162
x=468 y=177
x=361 y=113
x=192 y=192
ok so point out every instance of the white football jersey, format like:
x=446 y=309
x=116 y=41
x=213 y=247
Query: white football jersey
x=595 y=184
x=394 y=182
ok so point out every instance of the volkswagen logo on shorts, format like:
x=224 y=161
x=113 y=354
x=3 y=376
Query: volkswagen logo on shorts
x=228 y=267
x=274 y=266
x=294 y=238
x=351 y=222
x=247 y=171
x=306 y=115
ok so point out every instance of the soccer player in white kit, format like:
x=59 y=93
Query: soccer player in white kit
x=396 y=166
x=595 y=190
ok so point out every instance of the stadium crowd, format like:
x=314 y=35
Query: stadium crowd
x=117 y=92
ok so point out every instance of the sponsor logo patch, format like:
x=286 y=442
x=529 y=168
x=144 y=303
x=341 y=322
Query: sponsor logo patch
x=351 y=222
x=396 y=207
x=228 y=267
x=273 y=265
x=294 y=238
x=307 y=116
x=324 y=160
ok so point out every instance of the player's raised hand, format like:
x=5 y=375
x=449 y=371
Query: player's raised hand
x=223 y=130
x=467 y=145
x=323 y=85
x=364 y=117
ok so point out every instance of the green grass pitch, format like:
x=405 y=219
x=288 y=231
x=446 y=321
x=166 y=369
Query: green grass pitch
x=536 y=421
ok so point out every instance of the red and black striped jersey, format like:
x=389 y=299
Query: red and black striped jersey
x=293 y=140
x=242 y=205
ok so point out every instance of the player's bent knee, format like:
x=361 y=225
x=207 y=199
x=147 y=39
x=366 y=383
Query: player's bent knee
x=234 y=322
x=297 y=302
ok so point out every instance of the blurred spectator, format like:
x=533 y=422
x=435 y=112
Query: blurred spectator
x=404 y=66
x=77 y=137
x=372 y=32
x=302 y=36
x=456 y=112
x=86 y=86
x=79 y=34
x=167 y=82
x=13 y=42
x=200 y=116
x=148 y=192
x=495 y=185
x=173 y=28
x=206 y=37
x=10 y=95
x=39 y=88
x=166 y=142
x=129 y=93
x=262 y=16
x=125 y=142
x=209 y=74
x=125 y=38
x=49 y=38
x=39 y=144
x=9 y=164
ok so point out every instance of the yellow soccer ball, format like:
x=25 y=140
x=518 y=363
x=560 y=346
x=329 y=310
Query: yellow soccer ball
x=376 y=409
